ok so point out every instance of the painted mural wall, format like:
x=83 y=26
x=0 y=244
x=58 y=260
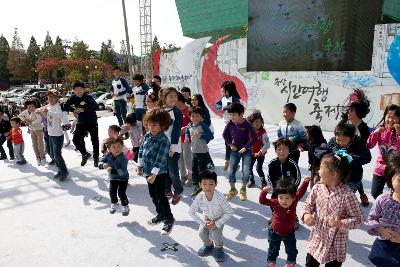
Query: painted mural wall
x=319 y=96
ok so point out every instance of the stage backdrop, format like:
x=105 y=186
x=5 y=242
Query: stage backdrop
x=320 y=96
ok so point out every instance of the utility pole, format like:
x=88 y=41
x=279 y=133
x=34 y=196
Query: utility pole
x=127 y=43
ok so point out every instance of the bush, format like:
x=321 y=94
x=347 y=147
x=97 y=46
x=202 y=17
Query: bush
x=101 y=88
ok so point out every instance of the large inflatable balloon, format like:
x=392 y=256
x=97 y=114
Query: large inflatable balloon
x=393 y=60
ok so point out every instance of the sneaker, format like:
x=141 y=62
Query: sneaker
x=96 y=163
x=113 y=208
x=243 y=195
x=271 y=264
x=205 y=250
x=52 y=162
x=43 y=162
x=125 y=210
x=169 y=195
x=233 y=192
x=196 y=191
x=167 y=228
x=39 y=162
x=290 y=265
x=219 y=254
x=175 y=199
x=251 y=183
x=85 y=159
x=63 y=176
x=226 y=166
x=21 y=162
x=156 y=220
x=364 y=200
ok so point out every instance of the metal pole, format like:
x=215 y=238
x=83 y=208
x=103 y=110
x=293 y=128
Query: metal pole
x=127 y=43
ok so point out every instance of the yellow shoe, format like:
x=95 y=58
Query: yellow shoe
x=233 y=192
x=226 y=166
x=243 y=195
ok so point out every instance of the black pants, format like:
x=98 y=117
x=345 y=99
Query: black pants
x=157 y=194
x=378 y=183
x=199 y=163
x=9 y=145
x=311 y=262
x=79 y=138
x=118 y=186
x=259 y=167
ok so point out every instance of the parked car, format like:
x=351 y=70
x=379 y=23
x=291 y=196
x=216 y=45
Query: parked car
x=13 y=91
x=40 y=97
x=96 y=95
x=110 y=104
x=101 y=100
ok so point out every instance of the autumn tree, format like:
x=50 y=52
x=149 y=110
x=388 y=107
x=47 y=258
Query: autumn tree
x=4 y=48
x=18 y=62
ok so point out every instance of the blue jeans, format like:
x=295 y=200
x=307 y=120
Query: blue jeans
x=56 y=144
x=246 y=165
x=275 y=240
x=139 y=113
x=385 y=253
x=173 y=178
x=120 y=110
x=47 y=145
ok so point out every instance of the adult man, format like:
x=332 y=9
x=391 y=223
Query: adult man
x=120 y=88
x=85 y=107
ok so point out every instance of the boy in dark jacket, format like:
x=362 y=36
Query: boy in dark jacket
x=5 y=131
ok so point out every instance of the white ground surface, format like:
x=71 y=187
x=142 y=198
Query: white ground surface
x=47 y=223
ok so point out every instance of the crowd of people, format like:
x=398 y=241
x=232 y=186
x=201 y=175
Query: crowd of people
x=170 y=131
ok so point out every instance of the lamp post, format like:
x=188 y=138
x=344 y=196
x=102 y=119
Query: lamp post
x=127 y=43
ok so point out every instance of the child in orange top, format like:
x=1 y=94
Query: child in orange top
x=17 y=140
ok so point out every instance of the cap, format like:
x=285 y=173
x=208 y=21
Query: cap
x=52 y=92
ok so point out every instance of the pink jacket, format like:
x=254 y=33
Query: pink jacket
x=385 y=147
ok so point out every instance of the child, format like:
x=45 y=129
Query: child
x=346 y=142
x=315 y=139
x=55 y=119
x=384 y=218
x=283 y=220
x=113 y=131
x=17 y=140
x=135 y=130
x=331 y=209
x=140 y=91
x=229 y=96
x=187 y=94
x=199 y=135
x=387 y=137
x=240 y=135
x=292 y=129
x=5 y=132
x=260 y=148
x=185 y=161
x=116 y=164
x=32 y=118
x=151 y=101
x=153 y=164
x=119 y=89
x=358 y=110
x=173 y=132
x=217 y=212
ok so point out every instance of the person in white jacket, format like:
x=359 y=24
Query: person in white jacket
x=32 y=118
x=56 y=118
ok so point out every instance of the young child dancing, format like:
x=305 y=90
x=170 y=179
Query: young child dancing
x=217 y=212
x=283 y=219
x=331 y=209
x=135 y=130
x=17 y=140
x=384 y=218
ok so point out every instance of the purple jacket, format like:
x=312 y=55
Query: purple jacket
x=240 y=135
x=384 y=213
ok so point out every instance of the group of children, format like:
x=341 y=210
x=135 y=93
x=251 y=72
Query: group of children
x=170 y=146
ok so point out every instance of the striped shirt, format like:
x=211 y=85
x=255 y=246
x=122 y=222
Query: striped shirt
x=327 y=244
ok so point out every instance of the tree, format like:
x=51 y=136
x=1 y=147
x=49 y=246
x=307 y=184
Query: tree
x=59 y=49
x=107 y=53
x=18 y=62
x=47 y=47
x=169 y=48
x=33 y=53
x=4 y=48
x=80 y=50
x=155 y=45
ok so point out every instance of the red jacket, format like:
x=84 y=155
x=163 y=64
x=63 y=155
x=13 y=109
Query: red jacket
x=258 y=144
x=16 y=136
x=185 y=121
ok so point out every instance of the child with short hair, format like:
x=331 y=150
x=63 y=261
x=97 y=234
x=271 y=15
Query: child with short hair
x=284 y=218
x=260 y=148
x=5 y=132
x=240 y=135
x=135 y=130
x=140 y=91
x=198 y=134
x=153 y=164
x=32 y=118
x=116 y=164
x=17 y=140
x=384 y=218
x=292 y=129
x=331 y=209
x=346 y=142
x=113 y=131
x=217 y=212
x=187 y=94
x=387 y=137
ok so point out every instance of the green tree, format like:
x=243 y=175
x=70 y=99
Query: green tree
x=107 y=53
x=80 y=50
x=58 y=50
x=4 y=48
x=33 y=53
x=155 y=45
x=47 y=47
x=18 y=62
